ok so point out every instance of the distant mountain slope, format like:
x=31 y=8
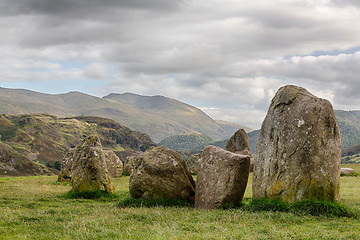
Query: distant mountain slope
x=158 y=116
x=233 y=127
x=189 y=117
x=349 y=123
x=187 y=142
x=45 y=138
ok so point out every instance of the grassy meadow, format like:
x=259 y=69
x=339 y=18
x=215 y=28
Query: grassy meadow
x=36 y=208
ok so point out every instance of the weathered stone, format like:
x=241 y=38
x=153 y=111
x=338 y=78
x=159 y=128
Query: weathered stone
x=66 y=164
x=298 y=152
x=129 y=165
x=222 y=178
x=193 y=163
x=347 y=171
x=89 y=171
x=239 y=143
x=113 y=164
x=161 y=173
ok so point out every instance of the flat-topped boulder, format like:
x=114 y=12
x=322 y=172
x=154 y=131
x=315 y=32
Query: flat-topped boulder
x=222 y=178
x=161 y=173
x=298 y=152
x=89 y=170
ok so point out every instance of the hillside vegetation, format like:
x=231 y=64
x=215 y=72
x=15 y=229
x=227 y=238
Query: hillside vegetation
x=45 y=138
x=187 y=142
x=158 y=116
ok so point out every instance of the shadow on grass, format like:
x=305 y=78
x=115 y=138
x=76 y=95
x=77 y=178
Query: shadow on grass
x=140 y=202
x=98 y=195
x=307 y=207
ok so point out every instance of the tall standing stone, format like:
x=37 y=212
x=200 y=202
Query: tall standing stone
x=89 y=171
x=161 y=173
x=222 y=178
x=298 y=152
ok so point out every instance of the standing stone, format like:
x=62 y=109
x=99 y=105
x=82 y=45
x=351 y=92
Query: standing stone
x=193 y=163
x=129 y=165
x=66 y=165
x=89 y=171
x=239 y=143
x=298 y=152
x=113 y=164
x=161 y=173
x=222 y=178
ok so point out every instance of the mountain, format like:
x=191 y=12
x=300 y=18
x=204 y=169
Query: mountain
x=45 y=138
x=187 y=142
x=233 y=127
x=180 y=117
x=349 y=123
x=158 y=116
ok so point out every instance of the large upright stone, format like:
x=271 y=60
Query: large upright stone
x=161 y=173
x=239 y=143
x=89 y=171
x=222 y=178
x=298 y=152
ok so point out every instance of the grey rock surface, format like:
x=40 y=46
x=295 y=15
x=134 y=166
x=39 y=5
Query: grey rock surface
x=222 y=178
x=161 y=173
x=298 y=152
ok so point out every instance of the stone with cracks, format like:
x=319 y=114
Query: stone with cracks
x=89 y=170
x=161 y=173
x=239 y=143
x=222 y=178
x=298 y=152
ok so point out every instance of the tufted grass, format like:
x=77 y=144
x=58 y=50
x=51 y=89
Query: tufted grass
x=36 y=208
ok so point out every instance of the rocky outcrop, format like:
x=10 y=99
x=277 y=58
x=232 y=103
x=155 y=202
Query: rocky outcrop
x=161 y=173
x=239 y=143
x=193 y=163
x=15 y=164
x=298 y=152
x=89 y=170
x=222 y=178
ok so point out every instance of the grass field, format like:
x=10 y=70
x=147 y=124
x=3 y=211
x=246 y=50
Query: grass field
x=35 y=208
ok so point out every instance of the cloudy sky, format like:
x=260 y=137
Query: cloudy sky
x=226 y=57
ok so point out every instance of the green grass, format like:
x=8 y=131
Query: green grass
x=37 y=208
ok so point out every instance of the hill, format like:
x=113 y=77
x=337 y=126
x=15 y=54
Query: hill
x=233 y=127
x=44 y=138
x=15 y=164
x=349 y=123
x=158 y=116
x=187 y=142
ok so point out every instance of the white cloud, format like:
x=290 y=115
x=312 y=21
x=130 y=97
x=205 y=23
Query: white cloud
x=228 y=55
